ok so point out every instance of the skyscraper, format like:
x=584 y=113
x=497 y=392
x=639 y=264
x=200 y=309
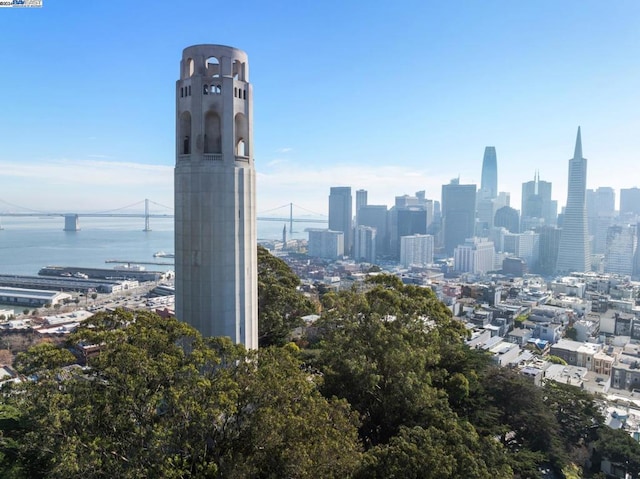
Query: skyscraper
x=509 y=218
x=537 y=206
x=340 y=214
x=600 y=214
x=361 y=200
x=364 y=244
x=375 y=216
x=458 y=214
x=406 y=221
x=485 y=205
x=215 y=199
x=630 y=201
x=574 y=252
x=489 y=180
x=620 y=249
x=525 y=246
x=549 y=244
x=636 y=256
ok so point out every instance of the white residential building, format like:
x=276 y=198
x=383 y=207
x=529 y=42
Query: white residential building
x=524 y=245
x=416 y=250
x=364 y=245
x=325 y=243
x=475 y=256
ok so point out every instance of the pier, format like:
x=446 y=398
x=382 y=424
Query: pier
x=124 y=261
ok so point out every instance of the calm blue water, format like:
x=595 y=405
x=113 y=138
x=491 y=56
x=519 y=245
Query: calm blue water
x=28 y=244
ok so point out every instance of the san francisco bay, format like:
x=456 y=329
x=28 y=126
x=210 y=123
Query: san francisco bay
x=28 y=244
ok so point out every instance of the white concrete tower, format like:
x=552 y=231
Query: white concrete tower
x=215 y=198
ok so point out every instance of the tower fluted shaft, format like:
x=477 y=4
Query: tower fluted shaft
x=574 y=252
x=215 y=198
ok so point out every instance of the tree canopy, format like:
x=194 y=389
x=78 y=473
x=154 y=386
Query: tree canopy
x=620 y=449
x=161 y=401
x=280 y=304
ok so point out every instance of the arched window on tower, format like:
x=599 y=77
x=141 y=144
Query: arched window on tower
x=218 y=89
x=205 y=90
x=213 y=67
x=241 y=135
x=241 y=149
x=189 y=66
x=238 y=70
x=212 y=135
x=185 y=133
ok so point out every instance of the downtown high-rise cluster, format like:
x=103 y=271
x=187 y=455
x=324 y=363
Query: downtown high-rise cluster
x=476 y=230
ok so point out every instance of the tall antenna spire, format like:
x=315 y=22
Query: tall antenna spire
x=578 y=151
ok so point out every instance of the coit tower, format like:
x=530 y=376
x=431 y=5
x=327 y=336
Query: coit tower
x=215 y=199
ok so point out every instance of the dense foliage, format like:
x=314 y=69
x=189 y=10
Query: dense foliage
x=389 y=390
x=161 y=401
x=280 y=305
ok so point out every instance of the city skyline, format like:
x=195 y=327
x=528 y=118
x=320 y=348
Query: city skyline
x=518 y=77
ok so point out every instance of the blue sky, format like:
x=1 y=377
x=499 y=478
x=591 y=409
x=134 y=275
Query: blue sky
x=393 y=97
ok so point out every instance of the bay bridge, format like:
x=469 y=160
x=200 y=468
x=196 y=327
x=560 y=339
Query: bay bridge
x=72 y=220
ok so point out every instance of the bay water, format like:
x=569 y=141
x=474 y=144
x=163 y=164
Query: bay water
x=28 y=244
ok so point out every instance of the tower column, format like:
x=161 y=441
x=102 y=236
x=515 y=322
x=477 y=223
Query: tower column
x=215 y=200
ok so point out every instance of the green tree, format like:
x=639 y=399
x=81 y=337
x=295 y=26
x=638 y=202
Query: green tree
x=280 y=304
x=284 y=426
x=519 y=320
x=11 y=422
x=380 y=350
x=571 y=333
x=617 y=446
x=447 y=451
x=42 y=357
x=555 y=359
x=576 y=413
x=524 y=423
x=161 y=401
